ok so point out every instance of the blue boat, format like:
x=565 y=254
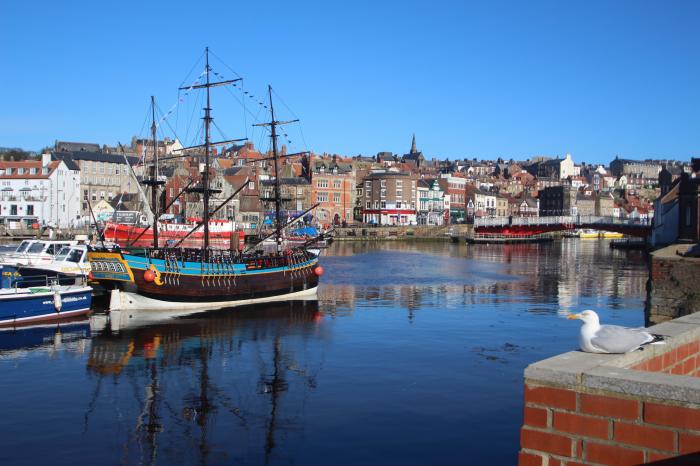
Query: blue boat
x=21 y=306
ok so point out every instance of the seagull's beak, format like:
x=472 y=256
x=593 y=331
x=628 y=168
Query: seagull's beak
x=573 y=316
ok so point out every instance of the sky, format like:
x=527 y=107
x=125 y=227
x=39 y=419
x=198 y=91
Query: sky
x=596 y=79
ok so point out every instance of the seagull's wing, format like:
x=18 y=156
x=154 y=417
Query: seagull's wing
x=616 y=339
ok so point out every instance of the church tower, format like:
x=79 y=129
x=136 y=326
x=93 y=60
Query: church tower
x=413 y=145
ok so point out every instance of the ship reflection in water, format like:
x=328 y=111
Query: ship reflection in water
x=412 y=354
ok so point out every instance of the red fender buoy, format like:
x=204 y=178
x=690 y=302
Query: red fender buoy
x=318 y=271
x=149 y=275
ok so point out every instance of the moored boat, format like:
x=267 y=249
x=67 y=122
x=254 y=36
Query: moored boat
x=175 y=276
x=589 y=234
x=20 y=306
x=222 y=232
x=69 y=267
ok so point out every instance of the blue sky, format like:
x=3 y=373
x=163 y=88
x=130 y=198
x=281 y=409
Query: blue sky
x=471 y=79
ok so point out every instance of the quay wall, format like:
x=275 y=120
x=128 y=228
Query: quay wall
x=603 y=409
x=673 y=289
x=423 y=232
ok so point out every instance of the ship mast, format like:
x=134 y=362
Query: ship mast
x=153 y=180
x=278 y=199
x=204 y=188
x=278 y=195
x=205 y=175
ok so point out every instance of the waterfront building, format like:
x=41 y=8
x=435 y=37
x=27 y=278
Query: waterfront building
x=43 y=192
x=479 y=203
x=431 y=203
x=527 y=206
x=455 y=187
x=501 y=206
x=689 y=208
x=558 y=200
x=390 y=198
x=585 y=204
x=334 y=190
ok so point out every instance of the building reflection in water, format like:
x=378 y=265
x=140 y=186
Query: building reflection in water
x=536 y=275
x=217 y=382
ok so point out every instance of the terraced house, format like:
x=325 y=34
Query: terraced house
x=334 y=189
x=390 y=198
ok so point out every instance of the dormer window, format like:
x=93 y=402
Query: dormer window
x=32 y=171
x=9 y=171
x=20 y=171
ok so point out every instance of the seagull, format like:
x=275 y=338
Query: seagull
x=596 y=338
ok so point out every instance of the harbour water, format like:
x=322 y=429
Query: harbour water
x=412 y=355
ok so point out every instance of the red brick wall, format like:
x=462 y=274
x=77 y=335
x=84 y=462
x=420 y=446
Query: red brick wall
x=566 y=427
x=683 y=360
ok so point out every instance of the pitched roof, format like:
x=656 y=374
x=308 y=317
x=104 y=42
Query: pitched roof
x=93 y=157
x=65 y=146
x=27 y=165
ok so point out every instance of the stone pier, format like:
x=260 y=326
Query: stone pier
x=673 y=289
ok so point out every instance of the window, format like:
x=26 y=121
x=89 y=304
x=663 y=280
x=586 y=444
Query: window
x=368 y=185
x=94 y=196
x=336 y=198
x=369 y=204
x=382 y=193
x=8 y=171
x=32 y=171
x=85 y=195
x=383 y=204
x=322 y=183
x=13 y=209
x=251 y=185
x=383 y=183
x=30 y=210
x=20 y=171
x=322 y=197
x=398 y=204
x=102 y=194
x=336 y=184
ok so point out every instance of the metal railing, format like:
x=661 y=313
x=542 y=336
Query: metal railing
x=559 y=220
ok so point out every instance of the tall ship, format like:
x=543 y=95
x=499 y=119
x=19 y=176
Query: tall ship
x=174 y=276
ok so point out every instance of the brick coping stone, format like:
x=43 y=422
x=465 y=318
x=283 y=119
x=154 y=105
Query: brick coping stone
x=588 y=372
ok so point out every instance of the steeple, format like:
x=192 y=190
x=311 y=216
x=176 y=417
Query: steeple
x=413 y=145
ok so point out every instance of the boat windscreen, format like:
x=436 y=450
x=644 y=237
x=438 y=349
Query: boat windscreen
x=62 y=253
x=23 y=246
x=36 y=248
x=74 y=255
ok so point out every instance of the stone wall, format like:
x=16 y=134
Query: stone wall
x=601 y=409
x=401 y=232
x=673 y=289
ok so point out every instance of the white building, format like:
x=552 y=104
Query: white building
x=567 y=168
x=40 y=192
x=431 y=204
